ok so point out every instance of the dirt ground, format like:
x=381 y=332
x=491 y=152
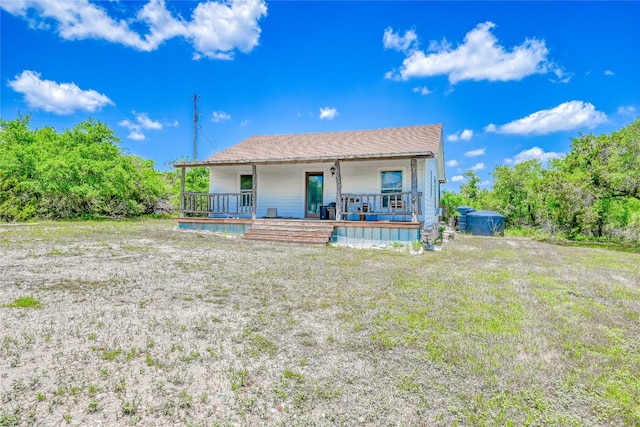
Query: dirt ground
x=142 y=323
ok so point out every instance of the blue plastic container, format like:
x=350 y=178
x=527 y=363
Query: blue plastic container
x=485 y=223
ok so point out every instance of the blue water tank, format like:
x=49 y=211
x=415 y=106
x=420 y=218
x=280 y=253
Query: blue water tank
x=462 y=219
x=485 y=223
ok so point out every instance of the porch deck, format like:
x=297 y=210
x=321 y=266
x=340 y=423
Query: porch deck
x=311 y=231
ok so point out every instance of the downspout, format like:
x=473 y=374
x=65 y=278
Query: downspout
x=414 y=190
x=338 y=191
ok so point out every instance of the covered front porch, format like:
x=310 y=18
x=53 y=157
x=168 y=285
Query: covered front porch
x=367 y=190
x=357 y=201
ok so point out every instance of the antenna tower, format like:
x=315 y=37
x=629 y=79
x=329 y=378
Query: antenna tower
x=195 y=126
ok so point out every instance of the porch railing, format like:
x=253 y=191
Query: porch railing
x=231 y=204
x=387 y=204
x=216 y=203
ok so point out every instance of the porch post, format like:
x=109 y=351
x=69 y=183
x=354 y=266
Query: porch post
x=338 y=191
x=254 y=186
x=182 y=180
x=414 y=190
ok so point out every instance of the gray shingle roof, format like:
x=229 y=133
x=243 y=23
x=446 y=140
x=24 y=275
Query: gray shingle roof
x=407 y=141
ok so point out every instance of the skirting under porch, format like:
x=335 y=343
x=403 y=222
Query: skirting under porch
x=311 y=231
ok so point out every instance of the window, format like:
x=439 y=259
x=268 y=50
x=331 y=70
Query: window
x=391 y=182
x=246 y=189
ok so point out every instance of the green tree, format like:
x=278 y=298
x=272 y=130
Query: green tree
x=594 y=190
x=196 y=180
x=515 y=192
x=472 y=194
x=470 y=189
x=450 y=201
x=77 y=173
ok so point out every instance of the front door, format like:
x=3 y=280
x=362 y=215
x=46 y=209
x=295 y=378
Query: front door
x=313 y=199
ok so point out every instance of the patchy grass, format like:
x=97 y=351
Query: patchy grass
x=24 y=302
x=140 y=323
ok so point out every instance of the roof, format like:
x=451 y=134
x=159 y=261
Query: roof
x=400 y=142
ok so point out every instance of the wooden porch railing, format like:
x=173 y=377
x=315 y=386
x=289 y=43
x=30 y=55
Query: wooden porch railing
x=216 y=203
x=389 y=204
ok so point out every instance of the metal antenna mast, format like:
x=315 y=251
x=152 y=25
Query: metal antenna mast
x=195 y=126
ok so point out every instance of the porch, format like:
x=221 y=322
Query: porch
x=310 y=231
x=397 y=206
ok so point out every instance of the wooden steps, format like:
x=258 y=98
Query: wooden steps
x=291 y=231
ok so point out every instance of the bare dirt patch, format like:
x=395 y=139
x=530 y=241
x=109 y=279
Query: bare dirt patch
x=141 y=323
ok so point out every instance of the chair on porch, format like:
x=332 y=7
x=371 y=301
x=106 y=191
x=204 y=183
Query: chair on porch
x=272 y=213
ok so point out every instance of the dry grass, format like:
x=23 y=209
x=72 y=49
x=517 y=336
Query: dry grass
x=140 y=323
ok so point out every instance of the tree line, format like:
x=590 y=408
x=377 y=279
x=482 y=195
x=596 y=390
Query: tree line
x=81 y=173
x=592 y=192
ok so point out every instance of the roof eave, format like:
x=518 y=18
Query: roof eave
x=321 y=159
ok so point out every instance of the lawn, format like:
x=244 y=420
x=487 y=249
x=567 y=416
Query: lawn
x=137 y=322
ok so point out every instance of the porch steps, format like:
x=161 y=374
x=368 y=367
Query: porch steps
x=301 y=232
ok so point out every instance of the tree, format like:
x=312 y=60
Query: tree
x=515 y=192
x=471 y=192
x=196 y=180
x=470 y=189
x=592 y=187
x=79 y=172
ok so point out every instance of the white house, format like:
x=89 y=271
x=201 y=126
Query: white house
x=379 y=178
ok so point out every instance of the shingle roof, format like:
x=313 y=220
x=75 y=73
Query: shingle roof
x=407 y=141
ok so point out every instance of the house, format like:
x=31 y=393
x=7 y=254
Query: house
x=367 y=186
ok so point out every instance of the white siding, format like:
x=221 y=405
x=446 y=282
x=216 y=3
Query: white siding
x=364 y=177
x=278 y=186
x=283 y=186
x=432 y=199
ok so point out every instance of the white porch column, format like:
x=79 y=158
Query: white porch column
x=254 y=192
x=414 y=190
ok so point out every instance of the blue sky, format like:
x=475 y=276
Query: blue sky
x=509 y=81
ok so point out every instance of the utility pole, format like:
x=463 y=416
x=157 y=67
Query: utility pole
x=195 y=126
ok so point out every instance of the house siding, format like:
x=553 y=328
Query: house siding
x=432 y=185
x=278 y=186
x=283 y=186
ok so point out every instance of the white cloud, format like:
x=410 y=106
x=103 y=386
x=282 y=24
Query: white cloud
x=452 y=163
x=465 y=135
x=628 y=110
x=457 y=178
x=479 y=57
x=534 y=153
x=146 y=122
x=566 y=116
x=328 y=113
x=478 y=167
x=391 y=40
x=475 y=153
x=142 y=121
x=219 y=116
x=422 y=90
x=57 y=98
x=609 y=73
x=561 y=76
x=136 y=135
x=244 y=123
x=219 y=28
x=216 y=29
